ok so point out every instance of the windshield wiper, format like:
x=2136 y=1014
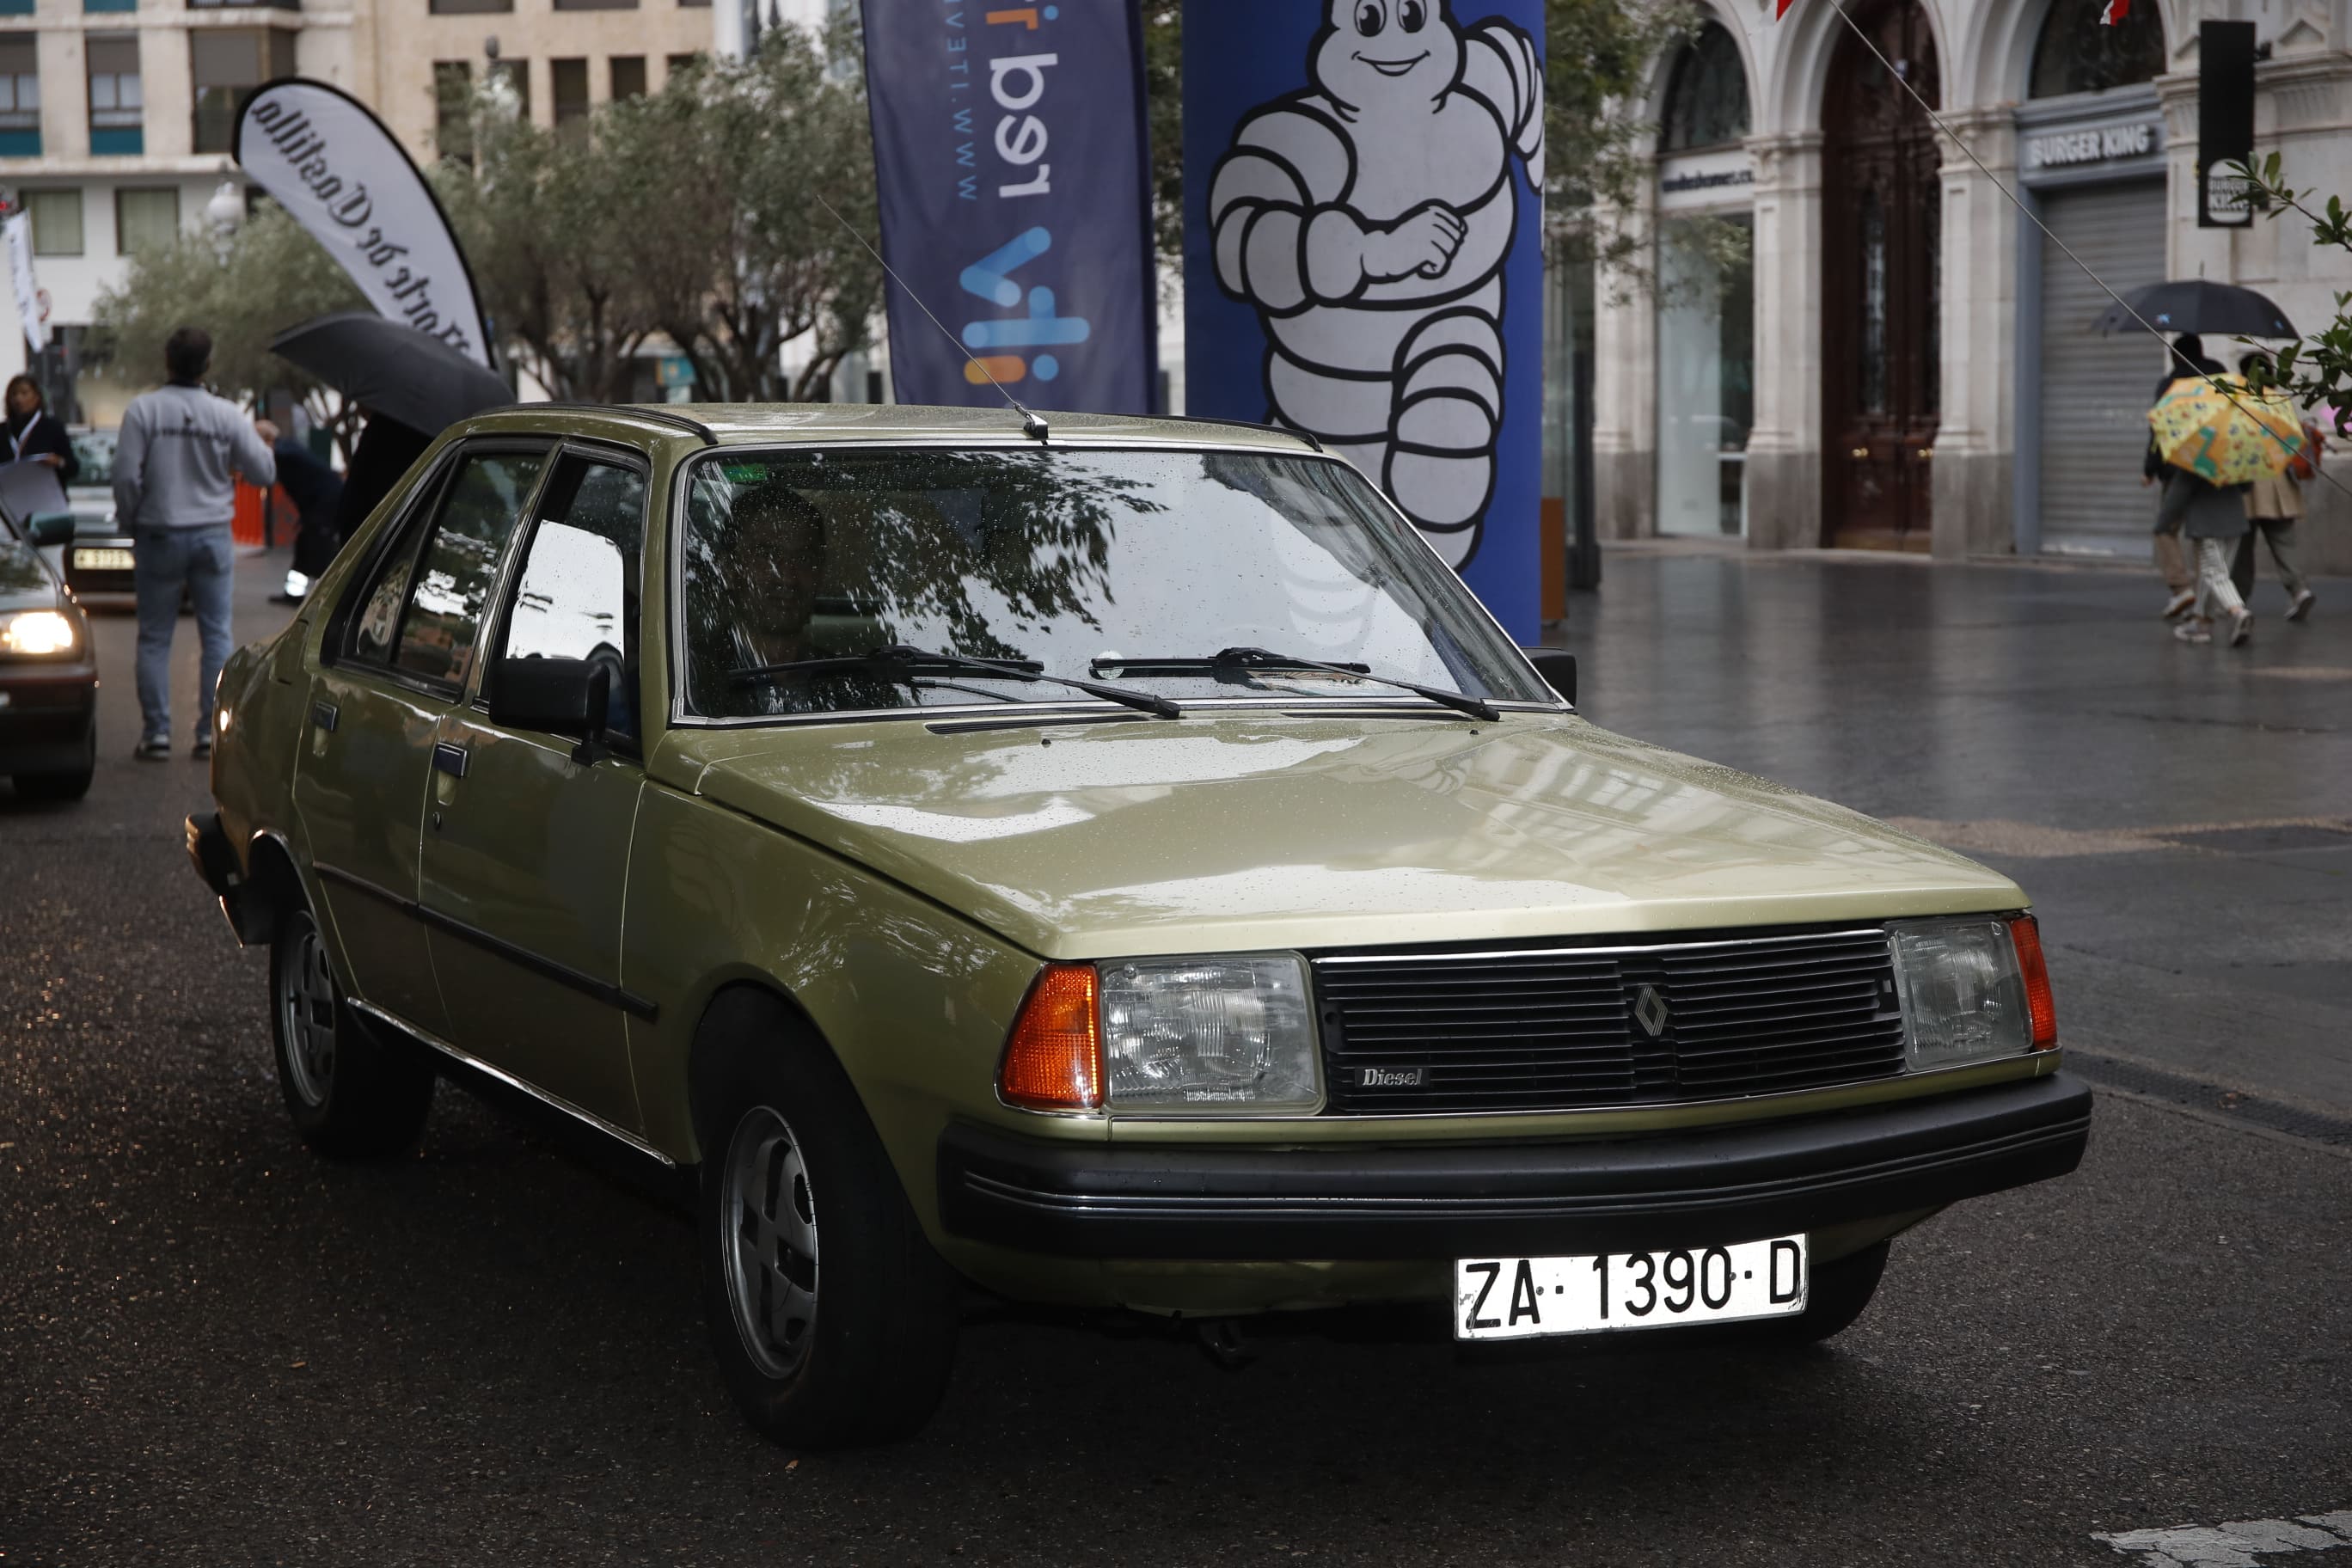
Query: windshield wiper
x=1237 y=661
x=900 y=663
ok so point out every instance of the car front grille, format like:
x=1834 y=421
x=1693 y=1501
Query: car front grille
x=1559 y=1028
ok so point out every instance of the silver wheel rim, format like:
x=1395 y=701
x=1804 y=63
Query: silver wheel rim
x=306 y=1014
x=771 y=1242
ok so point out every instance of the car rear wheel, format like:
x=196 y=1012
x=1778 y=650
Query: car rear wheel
x=352 y=1094
x=71 y=783
x=833 y=1319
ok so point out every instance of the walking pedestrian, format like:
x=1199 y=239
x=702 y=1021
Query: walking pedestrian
x=2188 y=363
x=2273 y=505
x=317 y=492
x=176 y=462
x=32 y=435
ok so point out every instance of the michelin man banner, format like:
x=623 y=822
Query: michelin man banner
x=1364 y=252
x=1009 y=150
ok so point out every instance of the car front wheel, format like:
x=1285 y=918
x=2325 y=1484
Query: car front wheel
x=833 y=1319
x=351 y=1094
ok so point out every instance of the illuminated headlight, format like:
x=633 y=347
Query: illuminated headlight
x=36 y=632
x=1208 y=1036
x=1964 y=992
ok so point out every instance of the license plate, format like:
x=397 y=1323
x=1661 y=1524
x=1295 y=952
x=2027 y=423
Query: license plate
x=1524 y=1297
x=102 y=560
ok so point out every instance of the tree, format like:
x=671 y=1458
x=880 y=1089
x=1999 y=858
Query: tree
x=243 y=291
x=2318 y=370
x=746 y=187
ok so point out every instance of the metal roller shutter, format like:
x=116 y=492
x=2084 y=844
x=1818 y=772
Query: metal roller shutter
x=2095 y=390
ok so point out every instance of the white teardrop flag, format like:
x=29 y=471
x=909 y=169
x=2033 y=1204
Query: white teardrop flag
x=334 y=166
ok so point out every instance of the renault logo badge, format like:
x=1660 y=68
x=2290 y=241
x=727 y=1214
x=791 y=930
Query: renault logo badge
x=1650 y=1012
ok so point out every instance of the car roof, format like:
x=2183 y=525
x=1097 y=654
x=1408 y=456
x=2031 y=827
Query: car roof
x=768 y=424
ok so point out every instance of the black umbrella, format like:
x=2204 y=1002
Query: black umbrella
x=393 y=370
x=2195 y=305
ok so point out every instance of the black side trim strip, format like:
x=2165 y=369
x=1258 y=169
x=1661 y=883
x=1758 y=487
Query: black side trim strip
x=628 y=1002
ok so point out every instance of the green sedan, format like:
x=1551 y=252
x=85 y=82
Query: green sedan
x=1119 y=869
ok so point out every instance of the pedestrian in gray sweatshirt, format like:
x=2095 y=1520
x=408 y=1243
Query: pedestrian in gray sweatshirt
x=176 y=464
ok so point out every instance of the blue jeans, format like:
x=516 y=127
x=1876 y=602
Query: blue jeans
x=165 y=562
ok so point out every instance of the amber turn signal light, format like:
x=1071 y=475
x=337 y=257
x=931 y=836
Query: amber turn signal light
x=1053 y=1061
x=2025 y=933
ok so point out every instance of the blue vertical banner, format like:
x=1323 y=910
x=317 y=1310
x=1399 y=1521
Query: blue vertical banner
x=1014 y=167
x=1364 y=254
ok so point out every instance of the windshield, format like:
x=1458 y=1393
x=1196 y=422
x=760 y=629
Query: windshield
x=1137 y=567
x=95 y=449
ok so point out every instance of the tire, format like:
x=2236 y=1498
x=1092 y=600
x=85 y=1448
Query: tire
x=1834 y=1298
x=71 y=785
x=860 y=1352
x=352 y=1094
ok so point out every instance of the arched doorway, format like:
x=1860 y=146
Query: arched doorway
x=1882 y=284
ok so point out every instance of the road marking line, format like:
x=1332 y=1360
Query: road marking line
x=2239 y=1544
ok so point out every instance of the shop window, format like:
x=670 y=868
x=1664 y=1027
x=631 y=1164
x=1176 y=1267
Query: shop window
x=145 y=219
x=56 y=221
x=20 y=96
x=628 y=76
x=226 y=65
x=1707 y=96
x=117 y=110
x=1707 y=372
x=2078 y=53
x=453 y=110
x=567 y=82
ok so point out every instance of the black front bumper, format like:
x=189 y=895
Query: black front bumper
x=45 y=712
x=1405 y=1202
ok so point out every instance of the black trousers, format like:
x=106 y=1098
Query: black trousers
x=316 y=541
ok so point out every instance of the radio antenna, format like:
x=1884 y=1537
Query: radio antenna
x=1033 y=424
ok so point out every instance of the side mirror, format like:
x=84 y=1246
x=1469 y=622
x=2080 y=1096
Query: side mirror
x=1558 y=668
x=51 y=527
x=555 y=696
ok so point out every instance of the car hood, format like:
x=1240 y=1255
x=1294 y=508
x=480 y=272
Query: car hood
x=25 y=580
x=1238 y=832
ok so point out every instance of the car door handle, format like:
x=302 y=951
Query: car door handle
x=325 y=715
x=449 y=759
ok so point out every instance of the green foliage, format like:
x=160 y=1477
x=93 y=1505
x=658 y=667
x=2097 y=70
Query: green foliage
x=267 y=277
x=2318 y=369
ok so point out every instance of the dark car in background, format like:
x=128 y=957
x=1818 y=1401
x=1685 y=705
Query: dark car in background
x=98 y=559
x=48 y=670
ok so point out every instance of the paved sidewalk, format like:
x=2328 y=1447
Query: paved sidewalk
x=2182 y=816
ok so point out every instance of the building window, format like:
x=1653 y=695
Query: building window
x=595 y=5
x=512 y=78
x=2078 y=53
x=227 y=65
x=453 y=110
x=109 y=5
x=567 y=82
x=628 y=76
x=677 y=65
x=20 y=96
x=470 y=7
x=146 y=220
x=209 y=5
x=117 y=111
x=1707 y=98
x=56 y=222
x=15 y=7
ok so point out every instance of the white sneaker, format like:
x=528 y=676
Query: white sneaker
x=2242 y=626
x=2193 y=631
x=2301 y=605
x=2178 y=604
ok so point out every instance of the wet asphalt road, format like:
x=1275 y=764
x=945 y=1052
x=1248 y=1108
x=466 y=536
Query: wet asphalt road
x=215 y=1348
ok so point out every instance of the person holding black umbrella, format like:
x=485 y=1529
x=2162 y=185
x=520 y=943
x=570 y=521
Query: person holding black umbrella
x=317 y=492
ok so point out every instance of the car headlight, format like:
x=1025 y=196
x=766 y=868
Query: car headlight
x=1973 y=989
x=1217 y=1035
x=36 y=632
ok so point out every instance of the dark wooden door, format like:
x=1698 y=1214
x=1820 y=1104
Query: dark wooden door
x=1881 y=261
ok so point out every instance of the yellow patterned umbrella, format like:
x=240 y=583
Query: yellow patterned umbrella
x=2225 y=438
